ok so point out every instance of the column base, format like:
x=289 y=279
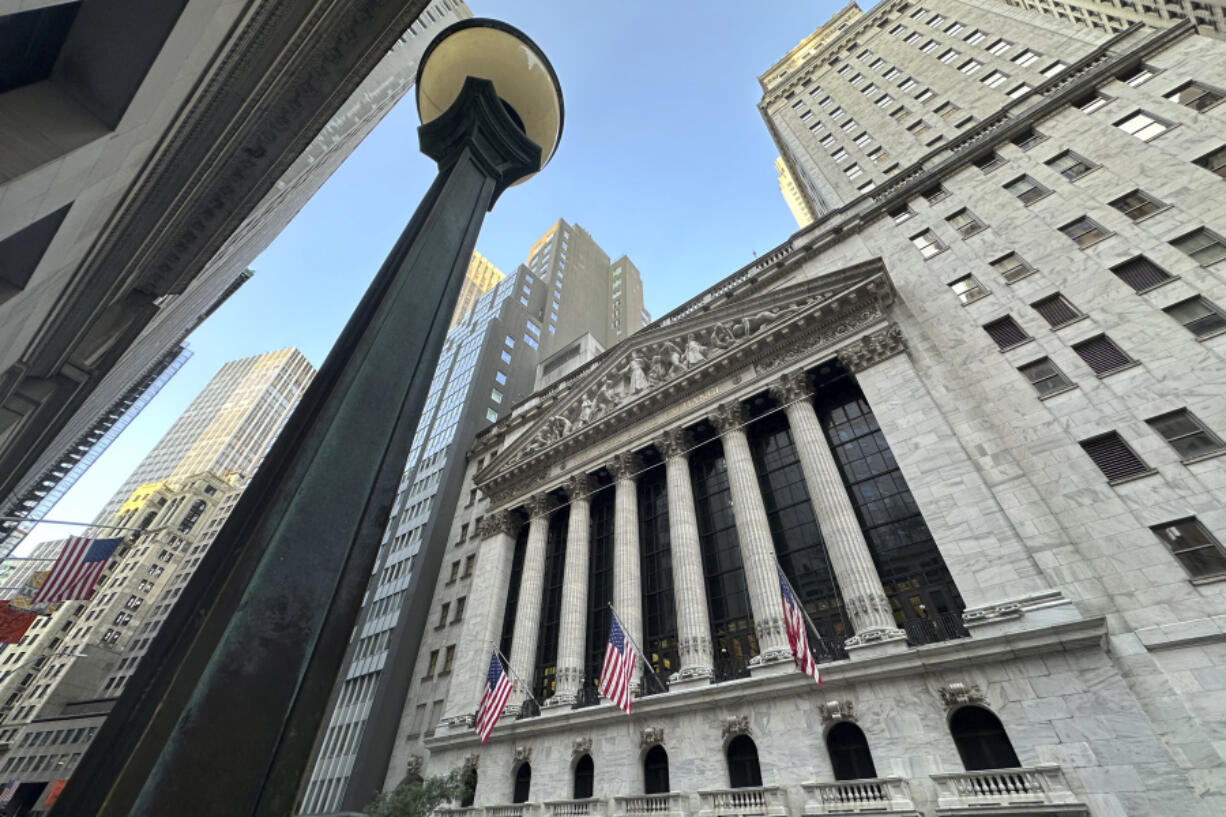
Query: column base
x=876 y=643
x=558 y=700
x=693 y=678
x=771 y=663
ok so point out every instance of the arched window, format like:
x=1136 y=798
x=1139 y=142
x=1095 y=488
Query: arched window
x=981 y=740
x=655 y=771
x=585 y=772
x=743 y=769
x=849 y=754
x=470 y=787
x=523 y=783
x=192 y=515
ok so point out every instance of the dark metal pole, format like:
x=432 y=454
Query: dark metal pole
x=221 y=715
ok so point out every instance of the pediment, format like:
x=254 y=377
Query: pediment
x=672 y=359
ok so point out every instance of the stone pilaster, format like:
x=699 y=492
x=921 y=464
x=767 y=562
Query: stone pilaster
x=863 y=596
x=754 y=535
x=528 y=609
x=627 y=582
x=572 y=625
x=689 y=584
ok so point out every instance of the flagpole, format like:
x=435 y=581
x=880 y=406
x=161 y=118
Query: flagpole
x=65 y=522
x=642 y=655
x=515 y=676
x=799 y=603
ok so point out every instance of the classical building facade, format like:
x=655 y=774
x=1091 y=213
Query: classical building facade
x=975 y=415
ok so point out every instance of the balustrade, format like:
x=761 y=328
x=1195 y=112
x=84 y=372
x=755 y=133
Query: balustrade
x=671 y=804
x=871 y=795
x=1039 y=785
x=755 y=801
x=589 y=807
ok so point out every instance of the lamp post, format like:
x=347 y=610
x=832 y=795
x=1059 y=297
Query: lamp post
x=222 y=713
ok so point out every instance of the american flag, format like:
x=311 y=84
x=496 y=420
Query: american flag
x=9 y=791
x=618 y=667
x=794 y=620
x=76 y=570
x=497 y=690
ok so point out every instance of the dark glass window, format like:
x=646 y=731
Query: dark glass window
x=523 y=784
x=1137 y=205
x=1194 y=546
x=517 y=572
x=1084 y=231
x=544 y=681
x=849 y=754
x=727 y=595
x=1045 y=376
x=655 y=771
x=470 y=786
x=656 y=578
x=1198 y=315
x=981 y=740
x=599 y=583
x=1214 y=161
x=743 y=769
x=1140 y=273
x=192 y=516
x=585 y=774
x=798 y=539
x=1186 y=433
x=921 y=590
x=1026 y=189
x=1196 y=96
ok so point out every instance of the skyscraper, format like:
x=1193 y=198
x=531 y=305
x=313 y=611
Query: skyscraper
x=488 y=364
x=478 y=280
x=791 y=194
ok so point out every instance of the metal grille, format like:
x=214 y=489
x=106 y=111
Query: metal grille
x=1113 y=456
x=1140 y=273
x=1102 y=355
x=1006 y=332
x=1056 y=310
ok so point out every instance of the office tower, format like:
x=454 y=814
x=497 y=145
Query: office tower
x=975 y=416
x=1118 y=15
x=791 y=194
x=568 y=293
x=228 y=427
x=478 y=280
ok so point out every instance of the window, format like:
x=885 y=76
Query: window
x=1102 y=355
x=853 y=171
x=827 y=141
x=1056 y=310
x=953 y=28
x=523 y=784
x=585 y=775
x=929 y=46
x=1143 y=126
x=1006 y=332
x=968 y=289
x=1137 y=205
x=928 y=244
x=455 y=572
x=869 y=90
x=1195 y=548
x=839 y=155
x=1198 y=315
x=901 y=214
x=849 y=125
x=924 y=95
x=1027 y=58
x=432 y=665
x=442 y=615
x=459 y=609
x=975 y=37
x=1027 y=189
x=500 y=378
x=947 y=109
x=469 y=562
x=893 y=74
x=995 y=78
x=1091 y=103
x=981 y=740
x=1214 y=161
x=1186 y=434
x=491 y=415
x=999 y=47
x=935 y=194
x=448 y=660
x=1012 y=267
x=505 y=356
x=1084 y=231
x=1045 y=377
x=989 y=162
x=1028 y=139
x=655 y=771
x=948 y=55
x=1203 y=246
x=878 y=155
x=1070 y=165
x=1137 y=75
x=1053 y=69
x=837 y=114
x=1140 y=273
x=885 y=101
x=1114 y=457
x=965 y=223
x=863 y=139
x=970 y=66
x=743 y=769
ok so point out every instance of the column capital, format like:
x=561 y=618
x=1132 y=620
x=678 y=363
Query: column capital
x=579 y=486
x=539 y=504
x=674 y=442
x=498 y=523
x=791 y=387
x=873 y=348
x=730 y=416
x=624 y=465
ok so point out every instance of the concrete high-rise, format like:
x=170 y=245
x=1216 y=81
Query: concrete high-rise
x=1209 y=16
x=480 y=278
x=791 y=194
x=568 y=300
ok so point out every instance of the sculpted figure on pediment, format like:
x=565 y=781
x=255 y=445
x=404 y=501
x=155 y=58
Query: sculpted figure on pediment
x=695 y=352
x=637 y=372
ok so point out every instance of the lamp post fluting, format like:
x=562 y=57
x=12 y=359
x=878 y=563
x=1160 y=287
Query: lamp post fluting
x=222 y=713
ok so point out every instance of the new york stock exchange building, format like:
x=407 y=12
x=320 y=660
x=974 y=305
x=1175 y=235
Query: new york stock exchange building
x=1004 y=626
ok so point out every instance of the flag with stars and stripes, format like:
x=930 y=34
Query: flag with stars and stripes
x=497 y=690
x=618 y=669
x=794 y=622
x=77 y=569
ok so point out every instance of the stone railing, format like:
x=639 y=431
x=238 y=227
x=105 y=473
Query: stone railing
x=589 y=807
x=454 y=811
x=671 y=804
x=875 y=794
x=1003 y=788
x=512 y=810
x=759 y=801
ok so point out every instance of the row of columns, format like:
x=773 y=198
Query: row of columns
x=864 y=598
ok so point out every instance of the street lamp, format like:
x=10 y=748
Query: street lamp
x=221 y=715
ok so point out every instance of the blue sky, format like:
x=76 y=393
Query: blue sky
x=664 y=157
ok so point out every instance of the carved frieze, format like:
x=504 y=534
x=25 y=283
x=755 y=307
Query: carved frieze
x=624 y=465
x=872 y=349
x=729 y=416
x=734 y=726
x=673 y=443
x=791 y=387
x=957 y=693
x=834 y=711
x=579 y=486
x=499 y=523
x=651 y=736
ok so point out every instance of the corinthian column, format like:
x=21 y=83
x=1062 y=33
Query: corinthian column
x=689 y=587
x=627 y=584
x=754 y=534
x=863 y=595
x=572 y=625
x=528 y=608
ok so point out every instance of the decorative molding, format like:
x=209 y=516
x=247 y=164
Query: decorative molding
x=498 y=523
x=835 y=711
x=523 y=754
x=580 y=747
x=539 y=505
x=651 y=736
x=736 y=725
x=579 y=486
x=624 y=465
x=872 y=349
x=460 y=722
x=812 y=341
x=957 y=693
x=472 y=761
x=791 y=387
x=414 y=766
x=730 y=416
x=673 y=443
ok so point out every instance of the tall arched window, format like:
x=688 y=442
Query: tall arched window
x=743 y=769
x=849 y=754
x=523 y=783
x=192 y=515
x=655 y=771
x=981 y=740
x=470 y=787
x=585 y=773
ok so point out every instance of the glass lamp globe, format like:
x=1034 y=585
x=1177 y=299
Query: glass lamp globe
x=493 y=50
